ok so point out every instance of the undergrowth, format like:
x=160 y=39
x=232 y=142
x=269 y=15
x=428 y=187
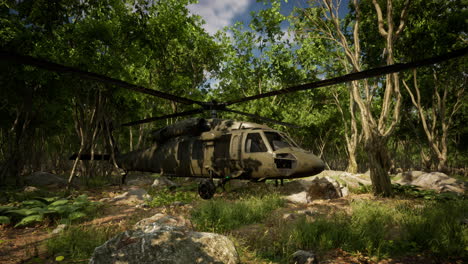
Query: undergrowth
x=166 y=196
x=375 y=229
x=223 y=215
x=47 y=209
x=78 y=242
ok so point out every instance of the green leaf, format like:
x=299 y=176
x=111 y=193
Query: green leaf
x=21 y=212
x=4 y=220
x=76 y=215
x=59 y=202
x=33 y=203
x=4 y=209
x=30 y=220
x=47 y=200
x=59 y=258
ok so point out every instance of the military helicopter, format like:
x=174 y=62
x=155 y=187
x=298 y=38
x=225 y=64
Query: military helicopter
x=217 y=148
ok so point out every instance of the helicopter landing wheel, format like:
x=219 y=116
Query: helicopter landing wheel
x=206 y=189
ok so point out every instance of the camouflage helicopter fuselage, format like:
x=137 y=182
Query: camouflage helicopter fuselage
x=217 y=148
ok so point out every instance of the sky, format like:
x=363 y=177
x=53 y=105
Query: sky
x=221 y=13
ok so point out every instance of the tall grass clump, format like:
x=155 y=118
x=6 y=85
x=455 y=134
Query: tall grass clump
x=79 y=242
x=222 y=215
x=437 y=227
x=379 y=230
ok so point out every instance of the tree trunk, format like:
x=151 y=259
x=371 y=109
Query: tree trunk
x=379 y=164
x=352 y=163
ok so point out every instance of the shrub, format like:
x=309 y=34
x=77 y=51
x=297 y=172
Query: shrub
x=40 y=209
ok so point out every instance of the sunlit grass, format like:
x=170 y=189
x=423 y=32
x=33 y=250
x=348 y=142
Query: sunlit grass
x=222 y=215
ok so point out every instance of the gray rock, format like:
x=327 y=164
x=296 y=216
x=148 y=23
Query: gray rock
x=30 y=189
x=104 y=200
x=59 y=229
x=324 y=188
x=40 y=178
x=162 y=182
x=304 y=257
x=433 y=180
x=162 y=219
x=140 y=181
x=166 y=245
x=409 y=176
x=300 y=197
x=133 y=196
x=439 y=181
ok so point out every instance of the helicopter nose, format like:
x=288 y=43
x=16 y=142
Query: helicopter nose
x=309 y=165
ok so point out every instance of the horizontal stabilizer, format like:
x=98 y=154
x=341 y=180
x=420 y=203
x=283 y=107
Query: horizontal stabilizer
x=88 y=157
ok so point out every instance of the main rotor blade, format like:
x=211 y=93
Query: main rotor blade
x=262 y=118
x=51 y=66
x=358 y=75
x=151 y=119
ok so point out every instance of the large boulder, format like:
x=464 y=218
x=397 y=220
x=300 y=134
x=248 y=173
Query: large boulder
x=431 y=180
x=440 y=182
x=408 y=176
x=165 y=244
x=45 y=179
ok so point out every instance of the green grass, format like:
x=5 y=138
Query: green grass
x=165 y=197
x=223 y=215
x=79 y=242
x=376 y=229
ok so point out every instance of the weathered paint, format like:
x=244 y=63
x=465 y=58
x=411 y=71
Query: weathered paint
x=222 y=152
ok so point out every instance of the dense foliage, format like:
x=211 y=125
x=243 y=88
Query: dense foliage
x=160 y=45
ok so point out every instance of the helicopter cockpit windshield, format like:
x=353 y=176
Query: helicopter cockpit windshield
x=278 y=141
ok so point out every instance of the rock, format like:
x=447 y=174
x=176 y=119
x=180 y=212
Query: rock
x=59 y=229
x=440 y=182
x=307 y=212
x=30 y=189
x=40 y=178
x=162 y=182
x=304 y=257
x=431 y=180
x=408 y=176
x=289 y=216
x=140 y=182
x=166 y=244
x=162 y=219
x=177 y=203
x=300 y=197
x=348 y=179
x=133 y=196
x=324 y=188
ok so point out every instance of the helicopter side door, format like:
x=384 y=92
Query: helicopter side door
x=236 y=154
x=257 y=159
x=197 y=158
x=221 y=155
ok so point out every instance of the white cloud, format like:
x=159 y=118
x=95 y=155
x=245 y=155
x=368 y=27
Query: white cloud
x=219 y=13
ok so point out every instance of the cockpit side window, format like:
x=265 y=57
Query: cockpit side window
x=277 y=141
x=254 y=143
